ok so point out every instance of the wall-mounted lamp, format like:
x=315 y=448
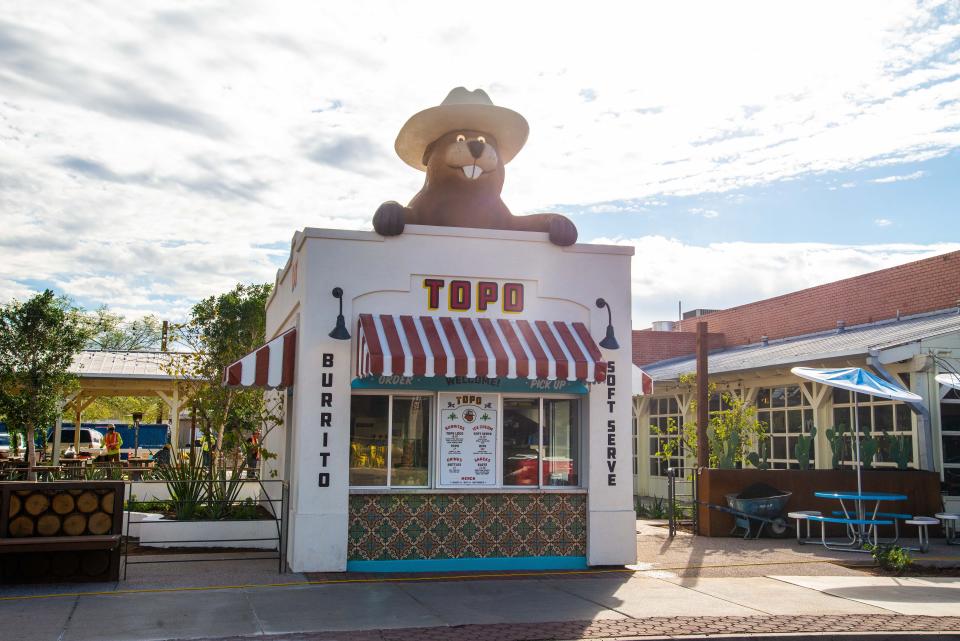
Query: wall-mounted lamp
x=609 y=341
x=340 y=330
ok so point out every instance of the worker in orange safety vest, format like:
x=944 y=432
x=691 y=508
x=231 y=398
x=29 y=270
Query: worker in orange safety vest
x=112 y=442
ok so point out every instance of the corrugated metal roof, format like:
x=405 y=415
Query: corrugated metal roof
x=138 y=365
x=853 y=341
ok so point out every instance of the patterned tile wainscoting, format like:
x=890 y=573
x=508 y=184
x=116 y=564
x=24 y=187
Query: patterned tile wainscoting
x=394 y=527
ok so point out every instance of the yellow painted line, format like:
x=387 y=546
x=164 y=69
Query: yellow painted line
x=430 y=577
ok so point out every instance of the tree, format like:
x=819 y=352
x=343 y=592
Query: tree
x=39 y=339
x=221 y=330
x=733 y=431
x=114 y=332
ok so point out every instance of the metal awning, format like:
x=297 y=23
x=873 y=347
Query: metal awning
x=270 y=366
x=391 y=345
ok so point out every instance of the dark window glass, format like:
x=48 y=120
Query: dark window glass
x=763 y=397
x=951 y=481
x=778 y=397
x=864 y=414
x=521 y=441
x=904 y=417
x=410 y=445
x=840 y=396
x=672 y=407
x=778 y=423
x=951 y=448
x=949 y=417
x=780 y=448
x=794 y=421
x=369 y=426
x=841 y=418
x=794 y=396
x=883 y=418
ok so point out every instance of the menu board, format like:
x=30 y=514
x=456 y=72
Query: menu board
x=468 y=439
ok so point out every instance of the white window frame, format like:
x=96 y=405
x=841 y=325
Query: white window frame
x=680 y=420
x=390 y=394
x=876 y=401
x=946 y=400
x=433 y=461
x=807 y=413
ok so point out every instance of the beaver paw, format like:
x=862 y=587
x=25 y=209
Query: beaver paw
x=562 y=231
x=389 y=219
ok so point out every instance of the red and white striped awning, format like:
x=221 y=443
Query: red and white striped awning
x=270 y=366
x=390 y=345
x=642 y=382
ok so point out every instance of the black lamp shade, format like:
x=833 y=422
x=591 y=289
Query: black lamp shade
x=339 y=332
x=609 y=341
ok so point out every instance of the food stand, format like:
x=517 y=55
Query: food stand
x=448 y=404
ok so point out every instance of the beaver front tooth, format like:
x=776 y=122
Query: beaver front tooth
x=472 y=172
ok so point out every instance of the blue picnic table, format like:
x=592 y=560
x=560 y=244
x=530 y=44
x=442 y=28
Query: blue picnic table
x=861 y=523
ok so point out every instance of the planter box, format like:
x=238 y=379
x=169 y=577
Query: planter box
x=921 y=488
x=155 y=531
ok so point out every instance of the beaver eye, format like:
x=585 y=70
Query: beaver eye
x=461 y=137
x=481 y=139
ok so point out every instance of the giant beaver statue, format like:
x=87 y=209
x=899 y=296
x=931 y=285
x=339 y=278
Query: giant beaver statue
x=463 y=145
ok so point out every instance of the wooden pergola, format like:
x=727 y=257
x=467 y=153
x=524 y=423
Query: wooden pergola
x=114 y=373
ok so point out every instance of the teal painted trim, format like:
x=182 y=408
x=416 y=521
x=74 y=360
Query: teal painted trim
x=464 y=384
x=472 y=564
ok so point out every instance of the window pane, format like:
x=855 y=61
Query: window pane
x=779 y=448
x=778 y=397
x=865 y=421
x=368 y=440
x=840 y=396
x=561 y=442
x=794 y=421
x=841 y=418
x=778 y=423
x=763 y=397
x=794 y=397
x=883 y=418
x=672 y=407
x=949 y=417
x=951 y=448
x=905 y=418
x=521 y=440
x=411 y=437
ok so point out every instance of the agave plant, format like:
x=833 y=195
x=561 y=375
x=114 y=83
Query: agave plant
x=225 y=483
x=187 y=485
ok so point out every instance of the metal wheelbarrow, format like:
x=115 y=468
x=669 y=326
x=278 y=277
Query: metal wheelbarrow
x=754 y=514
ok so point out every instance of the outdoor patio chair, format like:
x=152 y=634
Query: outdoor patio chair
x=803 y=515
x=922 y=522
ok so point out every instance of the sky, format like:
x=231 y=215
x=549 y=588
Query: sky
x=154 y=153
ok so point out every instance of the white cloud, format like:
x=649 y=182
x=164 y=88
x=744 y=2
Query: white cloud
x=722 y=275
x=896 y=179
x=706 y=213
x=150 y=157
x=882 y=222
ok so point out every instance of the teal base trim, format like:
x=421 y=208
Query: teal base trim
x=472 y=564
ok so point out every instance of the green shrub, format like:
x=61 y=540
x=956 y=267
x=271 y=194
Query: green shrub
x=891 y=558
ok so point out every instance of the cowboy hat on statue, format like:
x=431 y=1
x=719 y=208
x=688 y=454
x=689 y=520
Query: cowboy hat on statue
x=463 y=145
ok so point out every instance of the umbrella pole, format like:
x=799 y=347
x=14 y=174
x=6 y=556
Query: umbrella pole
x=856 y=423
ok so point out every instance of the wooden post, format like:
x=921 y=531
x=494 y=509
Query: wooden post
x=703 y=401
x=77 y=411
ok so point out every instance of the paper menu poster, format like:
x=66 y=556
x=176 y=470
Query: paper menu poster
x=468 y=439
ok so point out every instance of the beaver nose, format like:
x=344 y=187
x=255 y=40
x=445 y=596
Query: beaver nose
x=476 y=148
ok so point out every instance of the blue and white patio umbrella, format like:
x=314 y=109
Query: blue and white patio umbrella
x=950 y=380
x=856 y=379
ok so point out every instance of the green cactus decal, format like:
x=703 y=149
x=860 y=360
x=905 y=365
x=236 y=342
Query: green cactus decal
x=835 y=437
x=901 y=447
x=868 y=450
x=804 y=448
x=761 y=459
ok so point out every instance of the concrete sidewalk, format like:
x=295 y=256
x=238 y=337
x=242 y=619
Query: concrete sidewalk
x=585 y=602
